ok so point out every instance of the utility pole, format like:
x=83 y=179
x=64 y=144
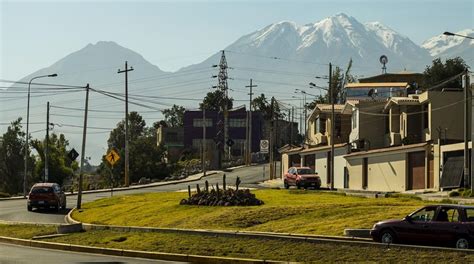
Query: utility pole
x=204 y=150
x=83 y=149
x=331 y=98
x=291 y=124
x=127 y=161
x=46 y=147
x=249 y=142
x=272 y=108
x=304 y=119
x=465 y=84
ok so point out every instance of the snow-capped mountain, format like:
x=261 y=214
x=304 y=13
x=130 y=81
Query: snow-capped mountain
x=450 y=46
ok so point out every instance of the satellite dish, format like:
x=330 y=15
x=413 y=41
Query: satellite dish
x=384 y=60
x=371 y=93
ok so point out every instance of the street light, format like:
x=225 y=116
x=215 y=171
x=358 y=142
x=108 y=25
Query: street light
x=27 y=129
x=467 y=101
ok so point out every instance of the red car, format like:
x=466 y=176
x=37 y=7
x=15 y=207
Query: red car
x=46 y=195
x=451 y=225
x=301 y=177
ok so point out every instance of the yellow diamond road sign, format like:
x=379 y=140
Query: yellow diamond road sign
x=112 y=157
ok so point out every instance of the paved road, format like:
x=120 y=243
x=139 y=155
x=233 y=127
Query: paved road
x=13 y=254
x=15 y=210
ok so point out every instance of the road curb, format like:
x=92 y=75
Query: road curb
x=131 y=253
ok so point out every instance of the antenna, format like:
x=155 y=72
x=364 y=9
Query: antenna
x=384 y=60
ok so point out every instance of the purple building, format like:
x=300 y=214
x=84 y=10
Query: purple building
x=237 y=124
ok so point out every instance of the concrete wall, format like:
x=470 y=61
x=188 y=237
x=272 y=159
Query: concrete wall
x=354 y=167
x=339 y=164
x=386 y=172
x=284 y=164
x=450 y=116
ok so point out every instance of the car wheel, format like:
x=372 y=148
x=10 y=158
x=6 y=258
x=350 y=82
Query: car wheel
x=286 y=185
x=462 y=243
x=387 y=237
x=58 y=206
x=298 y=185
x=29 y=208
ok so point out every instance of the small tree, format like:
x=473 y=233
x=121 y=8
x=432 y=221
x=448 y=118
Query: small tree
x=12 y=159
x=215 y=101
x=59 y=165
x=438 y=72
x=174 y=116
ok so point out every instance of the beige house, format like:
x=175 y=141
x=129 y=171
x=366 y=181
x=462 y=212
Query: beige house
x=389 y=141
x=367 y=123
x=319 y=125
x=424 y=117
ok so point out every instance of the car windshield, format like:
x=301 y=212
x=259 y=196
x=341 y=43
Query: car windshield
x=42 y=190
x=305 y=171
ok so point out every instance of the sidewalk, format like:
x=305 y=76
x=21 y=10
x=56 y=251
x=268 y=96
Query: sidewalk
x=272 y=184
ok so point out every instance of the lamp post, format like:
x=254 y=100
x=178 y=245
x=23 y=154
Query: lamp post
x=467 y=116
x=27 y=129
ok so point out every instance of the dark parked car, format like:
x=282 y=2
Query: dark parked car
x=301 y=177
x=451 y=225
x=46 y=195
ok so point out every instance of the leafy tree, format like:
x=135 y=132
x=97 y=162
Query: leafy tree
x=146 y=158
x=260 y=103
x=215 y=101
x=174 y=116
x=12 y=159
x=136 y=129
x=439 y=72
x=59 y=165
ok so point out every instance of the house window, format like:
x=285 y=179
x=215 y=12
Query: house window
x=320 y=125
x=237 y=122
x=197 y=122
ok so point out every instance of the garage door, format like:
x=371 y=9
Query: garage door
x=416 y=170
x=452 y=174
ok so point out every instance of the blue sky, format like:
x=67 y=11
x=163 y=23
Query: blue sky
x=174 y=34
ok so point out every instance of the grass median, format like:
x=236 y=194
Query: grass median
x=269 y=249
x=294 y=211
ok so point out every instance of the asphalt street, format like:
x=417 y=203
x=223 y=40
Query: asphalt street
x=15 y=210
x=13 y=254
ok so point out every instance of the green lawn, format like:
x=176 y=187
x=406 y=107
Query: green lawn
x=293 y=211
x=260 y=248
x=26 y=231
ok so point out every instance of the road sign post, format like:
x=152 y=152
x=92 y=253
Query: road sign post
x=264 y=146
x=112 y=157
